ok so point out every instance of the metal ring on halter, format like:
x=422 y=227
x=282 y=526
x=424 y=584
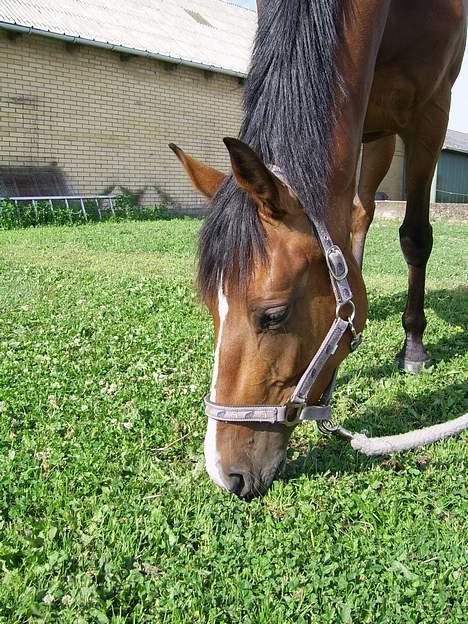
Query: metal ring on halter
x=326 y=426
x=340 y=306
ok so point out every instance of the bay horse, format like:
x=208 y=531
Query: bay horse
x=281 y=250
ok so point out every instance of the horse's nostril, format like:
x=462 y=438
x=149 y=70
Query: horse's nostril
x=236 y=483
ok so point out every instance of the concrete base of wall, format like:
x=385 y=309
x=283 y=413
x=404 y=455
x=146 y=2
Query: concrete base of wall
x=396 y=210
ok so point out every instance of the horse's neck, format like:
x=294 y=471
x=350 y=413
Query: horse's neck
x=356 y=54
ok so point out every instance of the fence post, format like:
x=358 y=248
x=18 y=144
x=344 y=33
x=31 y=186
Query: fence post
x=83 y=209
x=35 y=211
x=67 y=206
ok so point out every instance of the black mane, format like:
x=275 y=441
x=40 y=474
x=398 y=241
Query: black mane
x=289 y=99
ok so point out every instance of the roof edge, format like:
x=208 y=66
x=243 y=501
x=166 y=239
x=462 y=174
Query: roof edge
x=31 y=30
x=457 y=150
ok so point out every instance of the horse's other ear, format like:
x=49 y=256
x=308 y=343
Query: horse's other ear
x=206 y=179
x=252 y=175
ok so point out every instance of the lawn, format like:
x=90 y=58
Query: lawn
x=106 y=513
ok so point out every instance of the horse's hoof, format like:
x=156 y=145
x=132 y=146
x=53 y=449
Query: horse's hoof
x=411 y=366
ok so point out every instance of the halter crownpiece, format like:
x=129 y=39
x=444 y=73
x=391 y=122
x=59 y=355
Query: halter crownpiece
x=296 y=409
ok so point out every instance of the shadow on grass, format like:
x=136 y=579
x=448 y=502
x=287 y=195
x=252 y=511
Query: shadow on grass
x=441 y=351
x=406 y=413
x=449 y=304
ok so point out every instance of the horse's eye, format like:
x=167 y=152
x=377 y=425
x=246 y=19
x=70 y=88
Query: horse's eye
x=273 y=317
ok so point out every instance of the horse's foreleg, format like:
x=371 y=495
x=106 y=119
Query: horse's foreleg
x=422 y=151
x=376 y=160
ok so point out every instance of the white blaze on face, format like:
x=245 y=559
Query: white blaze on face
x=212 y=459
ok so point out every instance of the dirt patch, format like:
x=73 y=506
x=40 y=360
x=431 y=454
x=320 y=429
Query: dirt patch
x=396 y=210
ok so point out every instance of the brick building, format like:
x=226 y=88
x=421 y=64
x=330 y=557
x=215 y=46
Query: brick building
x=91 y=93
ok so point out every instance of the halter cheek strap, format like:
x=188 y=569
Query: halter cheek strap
x=296 y=410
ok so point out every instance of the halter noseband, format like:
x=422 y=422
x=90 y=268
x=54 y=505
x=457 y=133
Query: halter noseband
x=296 y=410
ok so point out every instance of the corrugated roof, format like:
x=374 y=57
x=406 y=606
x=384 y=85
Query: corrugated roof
x=209 y=33
x=456 y=141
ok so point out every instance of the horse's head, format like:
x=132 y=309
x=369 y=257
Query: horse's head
x=263 y=275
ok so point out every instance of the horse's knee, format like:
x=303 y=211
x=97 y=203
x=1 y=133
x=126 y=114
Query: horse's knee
x=416 y=244
x=363 y=214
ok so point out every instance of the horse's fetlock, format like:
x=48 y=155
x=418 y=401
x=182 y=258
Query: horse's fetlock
x=414 y=323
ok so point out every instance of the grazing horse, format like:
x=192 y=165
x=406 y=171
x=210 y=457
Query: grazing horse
x=280 y=252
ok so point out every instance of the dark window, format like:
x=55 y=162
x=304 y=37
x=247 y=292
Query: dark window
x=32 y=181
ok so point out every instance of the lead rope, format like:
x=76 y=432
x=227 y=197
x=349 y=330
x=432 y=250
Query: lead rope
x=397 y=443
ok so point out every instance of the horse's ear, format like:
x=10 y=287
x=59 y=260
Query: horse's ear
x=206 y=179
x=252 y=175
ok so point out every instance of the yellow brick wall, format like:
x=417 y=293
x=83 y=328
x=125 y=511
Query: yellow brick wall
x=392 y=184
x=106 y=121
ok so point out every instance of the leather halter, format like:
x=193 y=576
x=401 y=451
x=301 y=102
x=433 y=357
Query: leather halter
x=296 y=410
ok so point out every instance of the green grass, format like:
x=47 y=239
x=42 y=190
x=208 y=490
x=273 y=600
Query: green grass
x=106 y=513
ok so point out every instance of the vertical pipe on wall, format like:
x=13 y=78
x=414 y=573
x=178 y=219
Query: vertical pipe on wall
x=434 y=185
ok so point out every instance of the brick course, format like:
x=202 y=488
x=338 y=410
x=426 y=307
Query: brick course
x=106 y=122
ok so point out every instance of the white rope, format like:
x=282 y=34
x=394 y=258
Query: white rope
x=410 y=440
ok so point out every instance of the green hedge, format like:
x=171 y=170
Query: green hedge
x=22 y=214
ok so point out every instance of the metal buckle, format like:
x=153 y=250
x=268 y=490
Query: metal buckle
x=336 y=263
x=298 y=406
x=356 y=339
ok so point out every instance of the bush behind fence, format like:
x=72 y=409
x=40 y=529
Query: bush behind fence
x=23 y=214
